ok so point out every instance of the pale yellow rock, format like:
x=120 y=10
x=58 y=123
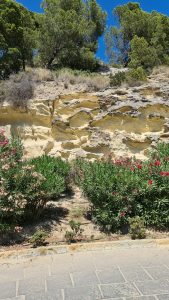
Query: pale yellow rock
x=126 y=121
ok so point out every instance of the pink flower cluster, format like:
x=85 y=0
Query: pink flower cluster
x=164 y=173
x=3 y=140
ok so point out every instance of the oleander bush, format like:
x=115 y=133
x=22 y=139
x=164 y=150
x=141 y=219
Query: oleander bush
x=56 y=173
x=119 y=190
x=125 y=188
x=27 y=186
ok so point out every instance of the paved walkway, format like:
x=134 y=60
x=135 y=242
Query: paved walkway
x=134 y=273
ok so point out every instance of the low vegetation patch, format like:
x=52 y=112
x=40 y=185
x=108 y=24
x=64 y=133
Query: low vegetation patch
x=125 y=188
x=18 y=89
x=75 y=234
x=137 y=228
x=38 y=238
x=161 y=70
x=133 y=77
x=91 y=81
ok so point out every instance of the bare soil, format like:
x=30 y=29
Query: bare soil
x=56 y=220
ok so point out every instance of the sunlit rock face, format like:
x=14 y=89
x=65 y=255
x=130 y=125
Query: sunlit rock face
x=117 y=122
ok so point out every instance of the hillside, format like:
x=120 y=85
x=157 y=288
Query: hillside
x=71 y=121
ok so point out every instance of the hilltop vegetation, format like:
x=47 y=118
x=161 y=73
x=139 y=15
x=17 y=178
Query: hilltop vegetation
x=141 y=39
x=65 y=35
x=18 y=29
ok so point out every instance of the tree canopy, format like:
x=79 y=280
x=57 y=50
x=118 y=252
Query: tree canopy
x=69 y=33
x=17 y=28
x=140 y=39
x=66 y=34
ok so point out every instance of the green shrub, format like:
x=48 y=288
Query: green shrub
x=38 y=239
x=132 y=77
x=56 y=173
x=27 y=186
x=125 y=188
x=117 y=79
x=69 y=236
x=137 y=228
x=136 y=76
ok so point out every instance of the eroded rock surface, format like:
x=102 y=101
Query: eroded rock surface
x=121 y=121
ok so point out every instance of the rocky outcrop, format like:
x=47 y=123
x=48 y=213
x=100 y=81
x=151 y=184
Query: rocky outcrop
x=118 y=121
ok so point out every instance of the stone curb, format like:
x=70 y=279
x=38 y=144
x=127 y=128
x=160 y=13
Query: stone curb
x=94 y=246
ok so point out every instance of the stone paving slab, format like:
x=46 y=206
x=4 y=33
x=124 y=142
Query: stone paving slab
x=114 y=274
x=111 y=275
x=119 y=290
x=142 y=298
x=7 y=289
x=12 y=273
x=91 y=292
x=31 y=285
x=134 y=274
x=17 y=298
x=59 y=281
x=163 y=297
x=153 y=287
x=57 y=295
x=84 y=278
x=159 y=272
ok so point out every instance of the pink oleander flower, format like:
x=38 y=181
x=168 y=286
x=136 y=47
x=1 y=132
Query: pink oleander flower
x=164 y=173
x=122 y=214
x=157 y=163
x=4 y=142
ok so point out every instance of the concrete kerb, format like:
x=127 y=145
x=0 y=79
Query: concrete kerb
x=79 y=247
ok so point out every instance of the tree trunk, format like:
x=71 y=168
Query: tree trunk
x=50 y=62
x=23 y=64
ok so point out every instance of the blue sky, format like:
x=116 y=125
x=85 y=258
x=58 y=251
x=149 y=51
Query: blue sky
x=108 y=5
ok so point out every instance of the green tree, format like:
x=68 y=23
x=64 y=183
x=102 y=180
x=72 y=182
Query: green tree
x=17 y=28
x=142 y=54
x=135 y=27
x=69 y=33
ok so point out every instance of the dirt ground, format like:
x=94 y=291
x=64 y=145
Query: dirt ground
x=56 y=222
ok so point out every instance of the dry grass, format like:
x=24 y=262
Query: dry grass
x=67 y=76
x=77 y=213
x=2 y=91
x=18 y=89
x=161 y=70
x=91 y=81
x=40 y=74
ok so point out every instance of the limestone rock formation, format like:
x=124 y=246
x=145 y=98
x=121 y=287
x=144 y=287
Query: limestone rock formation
x=123 y=121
